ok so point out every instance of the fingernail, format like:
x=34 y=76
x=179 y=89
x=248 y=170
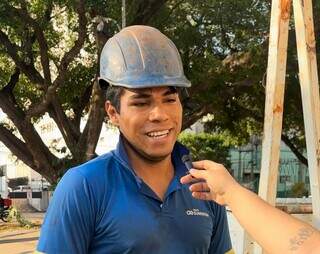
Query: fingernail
x=191 y=170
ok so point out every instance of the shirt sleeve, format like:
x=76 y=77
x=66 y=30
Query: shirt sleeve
x=220 y=240
x=69 y=223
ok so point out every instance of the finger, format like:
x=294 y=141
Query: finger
x=199 y=174
x=201 y=195
x=188 y=179
x=201 y=186
x=205 y=164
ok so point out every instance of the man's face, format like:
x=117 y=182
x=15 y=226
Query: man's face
x=150 y=119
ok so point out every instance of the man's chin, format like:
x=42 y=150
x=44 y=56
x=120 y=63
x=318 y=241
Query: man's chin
x=150 y=153
x=156 y=157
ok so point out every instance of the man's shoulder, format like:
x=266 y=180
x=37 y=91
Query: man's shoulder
x=90 y=177
x=97 y=164
x=93 y=170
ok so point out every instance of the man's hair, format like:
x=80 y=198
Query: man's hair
x=113 y=94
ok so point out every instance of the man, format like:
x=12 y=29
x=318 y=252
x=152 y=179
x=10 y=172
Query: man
x=131 y=200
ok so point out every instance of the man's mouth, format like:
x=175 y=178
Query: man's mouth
x=158 y=134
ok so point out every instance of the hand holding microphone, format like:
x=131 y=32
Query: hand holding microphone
x=213 y=181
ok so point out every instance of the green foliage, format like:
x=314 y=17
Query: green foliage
x=23 y=222
x=72 y=90
x=6 y=68
x=207 y=146
x=60 y=33
x=223 y=45
x=298 y=190
x=224 y=49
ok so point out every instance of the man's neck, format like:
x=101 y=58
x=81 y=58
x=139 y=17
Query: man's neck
x=156 y=174
x=152 y=169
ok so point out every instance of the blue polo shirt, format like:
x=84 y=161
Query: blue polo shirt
x=102 y=206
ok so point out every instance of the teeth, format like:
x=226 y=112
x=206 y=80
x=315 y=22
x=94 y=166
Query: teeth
x=158 y=133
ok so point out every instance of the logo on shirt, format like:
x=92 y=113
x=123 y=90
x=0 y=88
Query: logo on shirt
x=196 y=212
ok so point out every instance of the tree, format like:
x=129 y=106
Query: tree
x=298 y=190
x=206 y=146
x=48 y=64
x=225 y=49
x=49 y=52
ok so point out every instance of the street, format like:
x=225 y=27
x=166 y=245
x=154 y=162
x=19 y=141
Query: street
x=20 y=241
x=15 y=240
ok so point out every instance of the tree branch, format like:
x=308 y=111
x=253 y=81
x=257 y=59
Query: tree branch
x=16 y=146
x=90 y=135
x=146 y=10
x=29 y=70
x=43 y=161
x=223 y=32
x=296 y=152
x=175 y=7
x=80 y=106
x=40 y=38
x=13 y=81
x=8 y=104
x=27 y=46
x=225 y=38
x=69 y=56
x=47 y=12
x=42 y=107
x=69 y=132
x=284 y=138
x=194 y=117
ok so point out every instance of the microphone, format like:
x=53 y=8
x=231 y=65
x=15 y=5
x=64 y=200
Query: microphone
x=187 y=160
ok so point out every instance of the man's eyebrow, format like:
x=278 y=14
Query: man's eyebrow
x=147 y=93
x=168 y=92
x=171 y=90
x=140 y=96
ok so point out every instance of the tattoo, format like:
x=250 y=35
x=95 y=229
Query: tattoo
x=297 y=241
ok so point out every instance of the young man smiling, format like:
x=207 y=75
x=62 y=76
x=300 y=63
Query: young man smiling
x=149 y=120
x=131 y=200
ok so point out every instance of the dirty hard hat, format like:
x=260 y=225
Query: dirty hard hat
x=141 y=57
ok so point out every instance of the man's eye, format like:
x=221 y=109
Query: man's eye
x=139 y=104
x=171 y=100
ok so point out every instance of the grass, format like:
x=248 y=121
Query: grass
x=18 y=221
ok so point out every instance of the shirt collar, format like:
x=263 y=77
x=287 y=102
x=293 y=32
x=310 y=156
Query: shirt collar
x=178 y=151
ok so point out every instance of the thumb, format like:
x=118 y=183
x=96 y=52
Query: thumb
x=200 y=174
x=205 y=165
x=198 y=164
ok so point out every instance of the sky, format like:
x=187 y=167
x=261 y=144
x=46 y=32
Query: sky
x=2 y=115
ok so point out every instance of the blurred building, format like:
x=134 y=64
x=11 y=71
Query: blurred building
x=11 y=167
x=246 y=164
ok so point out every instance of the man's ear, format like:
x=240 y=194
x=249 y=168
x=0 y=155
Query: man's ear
x=112 y=113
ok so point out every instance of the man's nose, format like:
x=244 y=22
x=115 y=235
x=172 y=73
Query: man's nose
x=158 y=113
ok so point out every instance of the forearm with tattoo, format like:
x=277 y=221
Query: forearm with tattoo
x=297 y=241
